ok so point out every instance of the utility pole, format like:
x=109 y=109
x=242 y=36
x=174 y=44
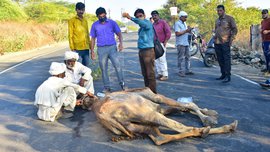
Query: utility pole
x=109 y=13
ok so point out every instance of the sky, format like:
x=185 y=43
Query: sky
x=129 y=6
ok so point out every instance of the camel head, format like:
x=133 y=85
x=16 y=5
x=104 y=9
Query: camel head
x=88 y=102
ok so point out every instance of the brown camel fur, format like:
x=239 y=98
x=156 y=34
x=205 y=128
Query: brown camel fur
x=138 y=111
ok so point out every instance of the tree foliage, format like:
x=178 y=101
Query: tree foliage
x=11 y=11
x=202 y=13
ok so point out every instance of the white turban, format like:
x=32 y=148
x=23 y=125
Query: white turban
x=71 y=55
x=57 y=68
x=182 y=13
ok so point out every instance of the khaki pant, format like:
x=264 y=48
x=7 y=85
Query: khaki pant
x=147 y=61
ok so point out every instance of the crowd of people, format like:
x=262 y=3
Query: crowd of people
x=71 y=81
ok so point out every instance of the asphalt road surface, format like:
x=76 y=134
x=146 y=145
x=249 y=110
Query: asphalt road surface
x=241 y=100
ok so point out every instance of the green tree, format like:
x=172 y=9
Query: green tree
x=11 y=11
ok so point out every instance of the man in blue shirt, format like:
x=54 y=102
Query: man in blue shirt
x=103 y=31
x=146 y=47
x=181 y=32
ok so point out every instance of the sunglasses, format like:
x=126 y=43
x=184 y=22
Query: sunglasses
x=184 y=16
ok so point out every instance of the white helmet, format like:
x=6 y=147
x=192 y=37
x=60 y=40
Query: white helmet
x=182 y=13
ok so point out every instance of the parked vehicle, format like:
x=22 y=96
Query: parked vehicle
x=210 y=57
x=193 y=43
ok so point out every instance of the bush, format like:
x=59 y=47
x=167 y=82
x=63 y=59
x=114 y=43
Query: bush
x=10 y=11
x=16 y=43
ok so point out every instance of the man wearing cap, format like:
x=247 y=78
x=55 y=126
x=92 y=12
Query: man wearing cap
x=181 y=32
x=163 y=34
x=55 y=93
x=78 y=35
x=146 y=47
x=78 y=73
x=225 y=32
x=103 y=31
x=265 y=32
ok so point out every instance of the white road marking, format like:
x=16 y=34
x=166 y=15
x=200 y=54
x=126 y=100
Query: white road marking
x=10 y=68
x=250 y=81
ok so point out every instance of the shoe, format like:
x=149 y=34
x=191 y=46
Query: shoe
x=264 y=70
x=159 y=76
x=221 y=77
x=181 y=74
x=189 y=73
x=106 y=90
x=163 y=78
x=124 y=88
x=265 y=85
x=226 y=79
x=266 y=74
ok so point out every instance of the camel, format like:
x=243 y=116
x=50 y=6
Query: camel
x=136 y=112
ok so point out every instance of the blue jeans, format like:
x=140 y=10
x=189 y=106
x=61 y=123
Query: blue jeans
x=266 y=52
x=104 y=54
x=84 y=57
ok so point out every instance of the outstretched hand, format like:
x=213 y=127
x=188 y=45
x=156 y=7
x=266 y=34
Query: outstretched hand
x=126 y=15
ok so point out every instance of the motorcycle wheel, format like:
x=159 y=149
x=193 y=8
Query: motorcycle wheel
x=193 y=49
x=209 y=60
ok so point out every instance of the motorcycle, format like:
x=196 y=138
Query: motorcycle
x=193 y=43
x=210 y=56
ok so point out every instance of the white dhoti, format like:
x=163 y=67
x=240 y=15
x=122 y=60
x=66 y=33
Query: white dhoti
x=161 y=64
x=67 y=99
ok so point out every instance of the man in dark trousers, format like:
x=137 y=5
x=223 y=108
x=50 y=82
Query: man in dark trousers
x=225 y=32
x=265 y=32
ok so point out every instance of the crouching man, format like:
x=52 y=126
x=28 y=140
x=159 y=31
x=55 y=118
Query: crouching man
x=78 y=73
x=55 y=93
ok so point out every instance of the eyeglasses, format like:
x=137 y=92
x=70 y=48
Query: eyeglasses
x=139 y=16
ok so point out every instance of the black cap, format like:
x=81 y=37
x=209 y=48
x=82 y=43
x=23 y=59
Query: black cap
x=100 y=10
x=154 y=12
x=265 y=11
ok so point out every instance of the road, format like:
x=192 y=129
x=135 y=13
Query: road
x=20 y=130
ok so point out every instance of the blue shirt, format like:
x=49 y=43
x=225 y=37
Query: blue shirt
x=146 y=33
x=182 y=39
x=105 y=32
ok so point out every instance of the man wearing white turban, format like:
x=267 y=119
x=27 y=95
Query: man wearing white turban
x=78 y=73
x=55 y=93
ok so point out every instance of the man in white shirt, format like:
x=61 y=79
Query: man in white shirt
x=55 y=93
x=78 y=73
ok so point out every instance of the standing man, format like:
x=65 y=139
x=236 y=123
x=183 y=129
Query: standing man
x=163 y=32
x=78 y=34
x=225 y=32
x=181 y=32
x=146 y=47
x=265 y=32
x=103 y=31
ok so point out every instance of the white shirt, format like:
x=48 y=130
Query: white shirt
x=48 y=92
x=76 y=75
x=182 y=39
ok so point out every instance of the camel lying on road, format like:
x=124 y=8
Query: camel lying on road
x=138 y=112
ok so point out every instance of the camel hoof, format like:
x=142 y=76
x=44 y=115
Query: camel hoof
x=209 y=112
x=209 y=121
x=234 y=125
x=205 y=132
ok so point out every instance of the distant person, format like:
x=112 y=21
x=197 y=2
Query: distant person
x=182 y=32
x=225 y=32
x=265 y=32
x=78 y=35
x=104 y=31
x=78 y=73
x=55 y=95
x=146 y=47
x=163 y=35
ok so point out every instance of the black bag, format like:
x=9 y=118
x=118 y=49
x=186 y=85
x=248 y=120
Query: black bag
x=159 y=50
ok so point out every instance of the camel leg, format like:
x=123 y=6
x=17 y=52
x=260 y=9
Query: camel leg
x=157 y=119
x=160 y=138
x=208 y=117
